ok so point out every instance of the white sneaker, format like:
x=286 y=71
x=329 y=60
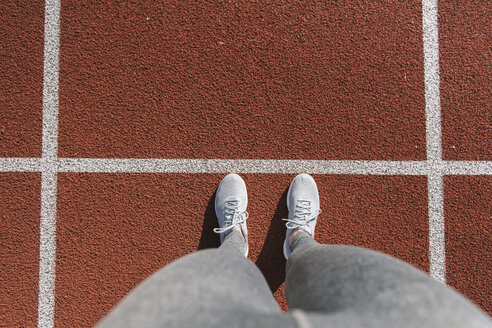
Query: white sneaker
x=303 y=205
x=231 y=201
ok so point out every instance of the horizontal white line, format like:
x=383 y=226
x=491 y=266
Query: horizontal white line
x=273 y=166
x=465 y=167
x=20 y=164
x=130 y=165
x=241 y=166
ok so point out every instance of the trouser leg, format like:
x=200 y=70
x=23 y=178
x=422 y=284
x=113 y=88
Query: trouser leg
x=209 y=288
x=355 y=287
x=234 y=241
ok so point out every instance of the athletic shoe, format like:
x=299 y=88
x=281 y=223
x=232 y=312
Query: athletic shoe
x=231 y=201
x=303 y=206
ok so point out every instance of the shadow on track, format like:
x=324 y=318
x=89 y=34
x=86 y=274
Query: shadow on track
x=209 y=239
x=271 y=259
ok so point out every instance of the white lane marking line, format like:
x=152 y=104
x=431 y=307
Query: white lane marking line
x=242 y=166
x=15 y=164
x=431 y=80
x=47 y=248
x=434 y=140
x=272 y=166
x=46 y=300
x=51 y=80
x=466 y=167
x=437 y=255
x=127 y=165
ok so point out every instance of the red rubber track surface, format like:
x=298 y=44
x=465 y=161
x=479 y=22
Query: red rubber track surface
x=19 y=248
x=465 y=46
x=242 y=80
x=21 y=78
x=236 y=79
x=469 y=237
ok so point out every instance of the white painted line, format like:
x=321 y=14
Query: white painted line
x=431 y=80
x=436 y=227
x=434 y=140
x=241 y=166
x=20 y=164
x=127 y=165
x=50 y=79
x=47 y=250
x=466 y=168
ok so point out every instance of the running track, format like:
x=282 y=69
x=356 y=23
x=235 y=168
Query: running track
x=118 y=120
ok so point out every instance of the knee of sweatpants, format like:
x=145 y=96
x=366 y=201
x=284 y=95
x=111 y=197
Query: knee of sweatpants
x=330 y=277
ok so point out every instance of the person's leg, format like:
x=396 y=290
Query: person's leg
x=347 y=286
x=209 y=288
x=357 y=285
x=234 y=241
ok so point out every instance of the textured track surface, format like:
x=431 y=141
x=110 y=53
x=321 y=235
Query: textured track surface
x=242 y=80
x=276 y=80
x=466 y=54
x=19 y=250
x=21 y=78
x=469 y=237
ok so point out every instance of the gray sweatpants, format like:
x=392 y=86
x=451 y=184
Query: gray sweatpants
x=326 y=286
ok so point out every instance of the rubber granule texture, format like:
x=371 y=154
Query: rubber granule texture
x=465 y=44
x=287 y=80
x=19 y=248
x=468 y=210
x=21 y=78
x=114 y=230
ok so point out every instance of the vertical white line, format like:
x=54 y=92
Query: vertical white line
x=431 y=78
x=436 y=227
x=50 y=79
x=434 y=140
x=46 y=299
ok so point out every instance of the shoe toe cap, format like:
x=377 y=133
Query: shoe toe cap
x=303 y=187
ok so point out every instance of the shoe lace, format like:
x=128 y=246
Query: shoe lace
x=302 y=215
x=233 y=217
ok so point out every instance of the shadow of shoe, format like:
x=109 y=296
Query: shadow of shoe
x=271 y=259
x=208 y=238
